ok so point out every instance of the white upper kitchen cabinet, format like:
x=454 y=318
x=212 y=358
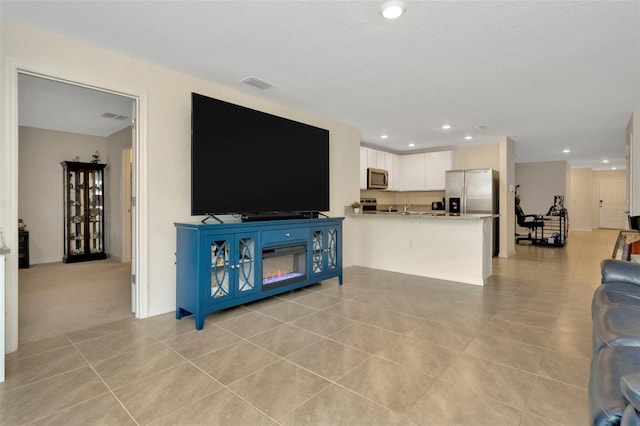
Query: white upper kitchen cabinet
x=381 y=160
x=395 y=178
x=363 y=167
x=372 y=158
x=389 y=166
x=413 y=172
x=436 y=164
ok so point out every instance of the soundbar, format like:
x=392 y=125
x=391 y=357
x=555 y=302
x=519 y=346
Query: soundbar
x=254 y=217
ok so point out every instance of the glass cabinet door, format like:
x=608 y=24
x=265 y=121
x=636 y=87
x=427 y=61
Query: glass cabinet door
x=332 y=249
x=324 y=250
x=76 y=212
x=245 y=267
x=220 y=270
x=317 y=252
x=95 y=215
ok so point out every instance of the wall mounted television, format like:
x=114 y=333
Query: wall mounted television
x=251 y=163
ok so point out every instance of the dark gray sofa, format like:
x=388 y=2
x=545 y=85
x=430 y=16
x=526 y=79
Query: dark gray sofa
x=614 y=382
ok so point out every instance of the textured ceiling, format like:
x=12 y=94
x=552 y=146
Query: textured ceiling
x=548 y=74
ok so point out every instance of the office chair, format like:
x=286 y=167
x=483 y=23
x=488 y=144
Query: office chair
x=530 y=221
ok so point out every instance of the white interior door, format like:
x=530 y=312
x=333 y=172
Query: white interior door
x=612 y=204
x=127 y=176
x=130 y=203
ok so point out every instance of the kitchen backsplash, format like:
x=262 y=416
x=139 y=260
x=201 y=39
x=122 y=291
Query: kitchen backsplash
x=390 y=198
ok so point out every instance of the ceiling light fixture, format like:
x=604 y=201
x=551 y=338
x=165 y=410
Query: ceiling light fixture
x=446 y=126
x=392 y=9
x=613 y=168
x=257 y=82
x=468 y=137
x=566 y=151
x=412 y=144
x=605 y=161
x=384 y=136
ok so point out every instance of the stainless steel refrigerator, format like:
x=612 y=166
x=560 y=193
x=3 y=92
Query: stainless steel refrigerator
x=474 y=191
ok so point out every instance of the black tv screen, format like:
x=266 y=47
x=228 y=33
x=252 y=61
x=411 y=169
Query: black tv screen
x=245 y=161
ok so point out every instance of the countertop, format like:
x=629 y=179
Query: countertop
x=433 y=214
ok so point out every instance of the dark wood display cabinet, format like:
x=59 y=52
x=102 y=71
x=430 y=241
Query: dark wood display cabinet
x=84 y=193
x=23 y=249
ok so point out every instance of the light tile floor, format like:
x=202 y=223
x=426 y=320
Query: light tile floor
x=383 y=349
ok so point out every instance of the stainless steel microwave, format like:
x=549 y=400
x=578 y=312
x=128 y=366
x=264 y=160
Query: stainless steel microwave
x=377 y=179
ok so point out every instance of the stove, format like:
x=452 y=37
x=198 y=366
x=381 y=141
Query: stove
x=369 y=205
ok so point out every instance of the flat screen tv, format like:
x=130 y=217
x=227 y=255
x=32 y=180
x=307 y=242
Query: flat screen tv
x=249 y=162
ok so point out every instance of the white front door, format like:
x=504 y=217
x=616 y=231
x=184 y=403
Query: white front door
x=612 y=204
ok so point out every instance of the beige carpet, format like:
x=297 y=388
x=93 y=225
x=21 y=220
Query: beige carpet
x=58 y=298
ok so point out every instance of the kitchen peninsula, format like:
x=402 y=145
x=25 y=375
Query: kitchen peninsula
x=443 y=246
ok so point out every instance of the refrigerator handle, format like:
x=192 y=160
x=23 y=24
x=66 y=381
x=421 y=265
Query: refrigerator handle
x=463 y=198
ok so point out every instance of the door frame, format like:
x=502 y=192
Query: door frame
x=9 y=189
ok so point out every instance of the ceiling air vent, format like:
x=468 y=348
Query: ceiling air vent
x=256 y=82
x=114 y=116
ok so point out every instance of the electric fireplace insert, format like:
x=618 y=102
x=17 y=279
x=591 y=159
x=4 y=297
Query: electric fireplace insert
x=283 y=265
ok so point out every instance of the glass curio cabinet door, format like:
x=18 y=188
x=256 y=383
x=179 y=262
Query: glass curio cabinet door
x=83 y=203
x=233 y=267
x=324 y=250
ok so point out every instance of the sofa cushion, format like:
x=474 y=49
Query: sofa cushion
x=606 y=401
x=630 y=417
x=616 y=325
x=630 y=388
x=613 y=270
x=618 y=293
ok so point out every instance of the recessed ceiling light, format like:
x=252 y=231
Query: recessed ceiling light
x=384 y=136
x=412 y=144
x=446 y=126
x=392 y=9
x=468 y=137
x=605 y=161
x=566 y=151
x=613 y=168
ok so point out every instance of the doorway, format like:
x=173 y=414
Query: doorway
x=612 y=203
x=71 y=122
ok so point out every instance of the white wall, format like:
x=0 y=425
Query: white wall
x=167 y=96
x=40 y=191
x=539 y=182
x=580 y=204
x=507 y=196
x=633 y=163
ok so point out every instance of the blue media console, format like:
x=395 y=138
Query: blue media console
x=221 y=265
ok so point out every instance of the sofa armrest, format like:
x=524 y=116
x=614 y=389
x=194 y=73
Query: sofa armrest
x=621 y=271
